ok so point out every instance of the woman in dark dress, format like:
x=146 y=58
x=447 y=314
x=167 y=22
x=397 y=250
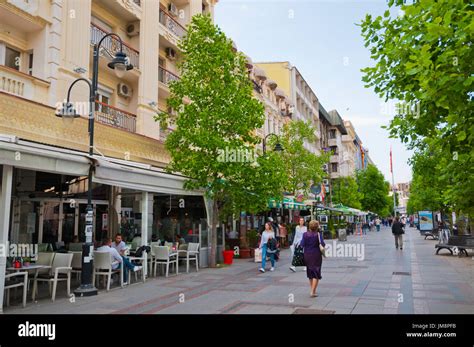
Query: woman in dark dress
x=312 y=255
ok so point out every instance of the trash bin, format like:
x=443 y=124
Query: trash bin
x=342 y=235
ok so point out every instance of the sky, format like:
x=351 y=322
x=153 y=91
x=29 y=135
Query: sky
x=321 y=38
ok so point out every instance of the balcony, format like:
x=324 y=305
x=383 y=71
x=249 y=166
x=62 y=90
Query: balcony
x=128 y=10
x=112 y=45
x=347 y=138
x=24 y=85
x=117 y=118
x=165 y=76
x=335 y=175
x=172 y=25
x=332 y=142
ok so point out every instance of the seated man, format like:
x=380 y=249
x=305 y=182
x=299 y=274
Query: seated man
x=119 y=245
x=117 y=258
x=180 y=240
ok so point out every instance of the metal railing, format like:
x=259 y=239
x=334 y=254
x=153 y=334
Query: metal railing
x=171 y=24
x=112 y=45
x=107 y=114
x=165 y=76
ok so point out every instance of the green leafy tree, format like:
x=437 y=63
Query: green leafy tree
x=217 y=114
x=374 y=190
x=427 y=186
x=302 y=167
x=345 y=191
x=424 y=61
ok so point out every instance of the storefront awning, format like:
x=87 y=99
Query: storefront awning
x=139 y=177
x=288 y=203
x=34 y=156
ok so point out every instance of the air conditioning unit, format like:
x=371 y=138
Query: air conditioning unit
x=325 y=182
x=124 y=90
x=325 y=167
x=170 y=53
x=173 y=10
x=133 y=29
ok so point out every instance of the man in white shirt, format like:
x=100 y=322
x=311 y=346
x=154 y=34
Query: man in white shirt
x=119 y=245
x=117 y=259
x=299 y=231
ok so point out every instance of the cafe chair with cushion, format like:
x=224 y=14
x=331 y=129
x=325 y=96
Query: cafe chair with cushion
x=60 y=271
x=164 y=257
x=151 y=256
x=76 y=263
x=45 y=259
x=192 y=254
x=75 y=247
x=103 y=267
x=14 y=280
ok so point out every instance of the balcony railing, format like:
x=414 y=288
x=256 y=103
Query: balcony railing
x=115 y=117
x=112 y=45
x=257 y=87
x=21 y=84
x=165 y=76
x=171 y=24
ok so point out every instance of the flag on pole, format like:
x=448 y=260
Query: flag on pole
x=391 y=166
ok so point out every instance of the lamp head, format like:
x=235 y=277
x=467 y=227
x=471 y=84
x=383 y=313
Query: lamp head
x=120 y=64
x=67 y=112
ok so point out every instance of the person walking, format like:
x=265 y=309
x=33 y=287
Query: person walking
x=297 y=251
x=397 y=231
x=311 y=242
x=267 y=236
x=377 y=223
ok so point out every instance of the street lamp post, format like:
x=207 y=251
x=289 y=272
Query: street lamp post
x=120 y=64
x=278 y=146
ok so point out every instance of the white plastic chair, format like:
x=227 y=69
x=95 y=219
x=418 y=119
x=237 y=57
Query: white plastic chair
x=60 y=271
x=191 y=254
x=76 y=263
x=151 y=256
x=11 y=282
x=103 y=267
x=163 y=257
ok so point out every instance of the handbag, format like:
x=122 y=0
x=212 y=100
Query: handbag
x=321 y=247
x=298 y=257
x=258 y=255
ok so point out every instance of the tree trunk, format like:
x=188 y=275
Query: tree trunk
x=215 y=219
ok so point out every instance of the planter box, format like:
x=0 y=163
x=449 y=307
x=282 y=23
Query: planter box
x=245 y=253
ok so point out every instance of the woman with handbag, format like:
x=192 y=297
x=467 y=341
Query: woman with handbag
x=297 y=259
x=268 y=237
x=313 y=250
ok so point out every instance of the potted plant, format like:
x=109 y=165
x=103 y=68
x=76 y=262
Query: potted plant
x=252 y=240
x=26 y=261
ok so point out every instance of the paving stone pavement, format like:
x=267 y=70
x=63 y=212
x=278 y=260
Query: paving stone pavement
x=387 y=281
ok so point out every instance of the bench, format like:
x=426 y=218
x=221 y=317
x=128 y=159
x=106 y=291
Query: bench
x=433 y=235
x=461 y=242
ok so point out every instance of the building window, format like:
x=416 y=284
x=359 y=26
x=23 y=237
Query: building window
x=333 y=167
x=30 y=64
x=12 y=58
x=332 y=133
x=333 y=150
